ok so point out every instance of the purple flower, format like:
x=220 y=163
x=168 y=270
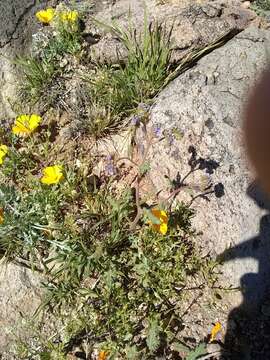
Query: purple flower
x=110 y=169
x=157 y=131
x=135 y=120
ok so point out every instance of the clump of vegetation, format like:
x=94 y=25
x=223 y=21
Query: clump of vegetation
x=42 y=69
x=116 y=265
x=261 y=6
x=119 y=89
x=110 y=93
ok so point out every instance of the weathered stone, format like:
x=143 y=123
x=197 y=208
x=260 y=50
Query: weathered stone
x=203 y=106
x=194 y=24
x=19 y=297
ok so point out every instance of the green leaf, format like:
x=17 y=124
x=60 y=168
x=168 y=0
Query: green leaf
x=198 y=351
x=179 y=347
x=132 y=353
x=45 y=356
x=177 y=134
x=153 y=339
x=144 y=168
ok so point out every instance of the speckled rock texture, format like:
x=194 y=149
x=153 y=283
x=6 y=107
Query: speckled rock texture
x=20 y=296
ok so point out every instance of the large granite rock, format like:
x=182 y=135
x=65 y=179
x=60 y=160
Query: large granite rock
x=194 y=23
x=204 y=108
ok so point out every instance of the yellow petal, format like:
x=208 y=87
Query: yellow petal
x=216 y=329
x=163 y=228
x=45 y=16
x=25 y=124
x=164 y=216
x=3 y=149
x=102 y=355
x=52 y=174
x=71 y=16
x=3 y=152
x=20 y=130
x=20 y=126
x=34 y=121
x=155 y=212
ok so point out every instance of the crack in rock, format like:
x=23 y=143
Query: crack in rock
x=17 y=24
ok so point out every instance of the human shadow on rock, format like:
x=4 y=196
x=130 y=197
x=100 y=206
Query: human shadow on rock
x=248 y=330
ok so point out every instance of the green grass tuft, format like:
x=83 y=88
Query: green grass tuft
x=118 y=90
x=262 y=4
x=37 y=77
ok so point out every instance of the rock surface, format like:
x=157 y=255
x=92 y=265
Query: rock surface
x=204 y=106
x=19 y=298
x=194 y=23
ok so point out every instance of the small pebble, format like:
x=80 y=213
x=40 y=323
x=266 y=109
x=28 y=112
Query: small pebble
x=213 y=348
x=246 y=4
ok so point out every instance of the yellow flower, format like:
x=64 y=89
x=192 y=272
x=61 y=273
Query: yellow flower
x=3 y=153
x=25 y=124
x=163 y=218
x=45 y=16
x=215 y=330
x=70 y=16
x=102 y=355
x=52 y=175
x=1 y=215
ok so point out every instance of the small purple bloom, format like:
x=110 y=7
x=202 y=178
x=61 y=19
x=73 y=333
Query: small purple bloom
x=157 y=131
x=110 y=169
x=135 y=120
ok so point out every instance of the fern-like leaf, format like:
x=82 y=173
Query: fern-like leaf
x=198 y=351
x=153 y=339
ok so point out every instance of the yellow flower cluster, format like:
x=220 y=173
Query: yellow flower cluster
x=69 y=16
x=24 y=126
x=46 y=16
